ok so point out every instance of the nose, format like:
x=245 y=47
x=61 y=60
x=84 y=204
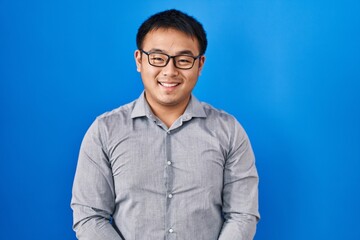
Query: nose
x=170 y=69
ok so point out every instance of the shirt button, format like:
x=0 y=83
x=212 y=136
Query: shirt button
x=171 y=230
x=169 y=163
x=170 y=195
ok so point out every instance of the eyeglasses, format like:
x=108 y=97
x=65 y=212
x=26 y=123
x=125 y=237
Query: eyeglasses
x=161 y=60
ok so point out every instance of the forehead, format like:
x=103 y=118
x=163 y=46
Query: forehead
x=170 y=41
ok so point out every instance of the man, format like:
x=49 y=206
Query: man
x=166 y=166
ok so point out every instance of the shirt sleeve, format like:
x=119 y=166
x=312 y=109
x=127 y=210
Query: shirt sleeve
x=93 y=197
x=240 y=191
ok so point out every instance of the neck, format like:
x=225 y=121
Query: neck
x=168 y=114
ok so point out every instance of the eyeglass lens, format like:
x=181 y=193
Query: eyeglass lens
x=161 y=60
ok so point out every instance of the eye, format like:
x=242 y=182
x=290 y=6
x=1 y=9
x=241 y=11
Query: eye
x=184 y=60
x=156 y=58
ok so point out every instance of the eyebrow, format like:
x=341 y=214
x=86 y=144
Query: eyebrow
x=183 y=52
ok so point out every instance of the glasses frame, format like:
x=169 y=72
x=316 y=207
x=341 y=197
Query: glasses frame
x=170 y=57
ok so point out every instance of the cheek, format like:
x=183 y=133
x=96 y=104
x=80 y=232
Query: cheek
x=149 y=75
x=193 y=77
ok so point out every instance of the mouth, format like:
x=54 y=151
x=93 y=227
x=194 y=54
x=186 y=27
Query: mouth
x=168 y=85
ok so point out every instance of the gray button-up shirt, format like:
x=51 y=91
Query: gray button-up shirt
x=138 y=179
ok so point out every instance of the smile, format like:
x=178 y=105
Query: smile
x=168 y=85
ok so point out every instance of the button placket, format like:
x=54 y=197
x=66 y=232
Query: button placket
x=169 y=175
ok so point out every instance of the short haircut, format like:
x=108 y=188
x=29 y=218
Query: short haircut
x=173 y=19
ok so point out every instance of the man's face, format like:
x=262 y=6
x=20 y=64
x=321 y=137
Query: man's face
x=168 y=86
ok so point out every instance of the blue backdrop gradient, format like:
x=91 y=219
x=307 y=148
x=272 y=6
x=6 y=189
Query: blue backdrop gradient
x=288 y=70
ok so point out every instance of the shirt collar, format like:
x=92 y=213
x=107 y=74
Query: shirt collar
x=142 y=108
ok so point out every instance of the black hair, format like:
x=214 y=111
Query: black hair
x=173 y=19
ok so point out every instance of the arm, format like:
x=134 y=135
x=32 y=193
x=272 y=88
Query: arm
x=240 y=192
x=93 y=197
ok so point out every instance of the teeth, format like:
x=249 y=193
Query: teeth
x=168 y=84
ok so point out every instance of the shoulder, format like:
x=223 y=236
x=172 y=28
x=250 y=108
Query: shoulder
x=121 y=113
x=112 y=120
x=216 y=114
x=111 y=123
x=222 y=121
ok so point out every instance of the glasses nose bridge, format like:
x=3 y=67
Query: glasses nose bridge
x=170 y=68
x=168 y=60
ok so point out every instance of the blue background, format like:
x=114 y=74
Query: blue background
x=288 y=70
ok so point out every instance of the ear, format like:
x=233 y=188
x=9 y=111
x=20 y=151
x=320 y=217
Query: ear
x=137 y=56
x=201 y=64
